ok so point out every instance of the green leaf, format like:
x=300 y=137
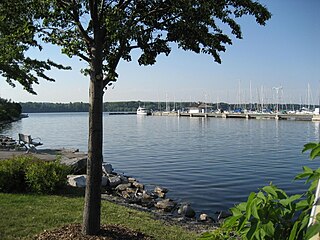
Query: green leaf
x=315 y=152
x=268 y=228
x=270 y=190
x=242 y=223
x=236 y=211
x=289 y=200
x=302 y=204
x=293 y=232
x=313 y=186
x=254 y=209
x=309 y=146
x=261 y=234
x=261 y=196
x=252 y=231
x=231 y=221
x=312 y=231
x=242 y=206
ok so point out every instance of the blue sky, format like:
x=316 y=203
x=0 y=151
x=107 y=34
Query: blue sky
x=285 y=52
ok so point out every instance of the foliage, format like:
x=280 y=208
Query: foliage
x=17 y=35
x=9 y=110
x=12 y=175
x=26 y=174
x=46 y=177
x=272 y=214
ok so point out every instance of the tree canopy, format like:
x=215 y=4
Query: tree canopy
x=17 y=35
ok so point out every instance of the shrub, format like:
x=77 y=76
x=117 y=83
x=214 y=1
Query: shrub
x=46 y=177
x=12 y=175
x=27 y=174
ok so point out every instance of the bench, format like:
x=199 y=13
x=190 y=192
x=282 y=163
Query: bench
x=28 y=142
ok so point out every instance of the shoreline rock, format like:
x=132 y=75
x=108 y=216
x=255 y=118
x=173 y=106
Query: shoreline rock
x=128 y=191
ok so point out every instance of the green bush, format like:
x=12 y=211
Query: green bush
x=27 y=174
x=12 y=175
x=46 y=177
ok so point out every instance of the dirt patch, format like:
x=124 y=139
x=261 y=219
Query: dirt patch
x=107 y=232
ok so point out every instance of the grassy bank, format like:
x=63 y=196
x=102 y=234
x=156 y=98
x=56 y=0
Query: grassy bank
x=23 y=216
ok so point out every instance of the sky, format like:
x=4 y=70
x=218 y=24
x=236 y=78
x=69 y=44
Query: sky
x=283 y=55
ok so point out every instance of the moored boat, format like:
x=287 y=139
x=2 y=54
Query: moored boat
x=142 y=111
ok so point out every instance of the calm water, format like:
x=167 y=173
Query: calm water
x=210 y=163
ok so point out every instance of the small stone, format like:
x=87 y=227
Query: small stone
x=124 y=179
x=187 y=211
x=131 y=190
x=132 y=180
x=107 y=168
x=104 y=181
x=123 y=186
x=114 y=181
x=160 y=189
x=138 y=185
x=125 y=194
x=203 y=217
x=166 y=205
x=77 y=180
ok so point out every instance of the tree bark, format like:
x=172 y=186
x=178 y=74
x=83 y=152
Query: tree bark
x=92 y=207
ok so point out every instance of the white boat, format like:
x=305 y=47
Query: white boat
x=142 y=111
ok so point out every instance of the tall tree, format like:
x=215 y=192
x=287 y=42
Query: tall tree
x=103 y=32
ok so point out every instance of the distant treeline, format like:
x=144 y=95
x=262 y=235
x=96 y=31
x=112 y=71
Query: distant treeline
x=9 y=111
x=131 y=106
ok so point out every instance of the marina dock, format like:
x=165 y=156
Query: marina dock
x=295 y=117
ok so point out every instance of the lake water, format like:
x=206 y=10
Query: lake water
x=208 y=162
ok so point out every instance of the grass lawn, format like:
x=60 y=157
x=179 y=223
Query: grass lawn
x=22 y=216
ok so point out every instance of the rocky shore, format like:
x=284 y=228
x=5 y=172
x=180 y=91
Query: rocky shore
x=128 y=191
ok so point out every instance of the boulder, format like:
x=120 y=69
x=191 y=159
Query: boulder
x=131 y=179
x=107 y=168
x=123 y=186
x=160 y=191
x=77 y=180
x=114 y=181
x=138 y=185
x=166 y=205
x=124 y=179
x=205 y=218
x=78 y=164
x=104 y=181
x=186 y=211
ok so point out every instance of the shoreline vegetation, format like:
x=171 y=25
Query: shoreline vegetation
x=36 y=210
x=64 y=207
x=9 y=111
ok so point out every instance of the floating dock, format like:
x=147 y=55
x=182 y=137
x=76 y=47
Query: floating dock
x=295 y=117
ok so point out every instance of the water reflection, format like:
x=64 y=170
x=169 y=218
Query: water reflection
x=317 y=130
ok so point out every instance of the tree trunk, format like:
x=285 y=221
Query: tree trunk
x=92 y=207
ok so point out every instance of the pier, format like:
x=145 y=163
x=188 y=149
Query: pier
x=295 y=117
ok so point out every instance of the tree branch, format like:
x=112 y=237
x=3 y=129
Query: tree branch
x=76 y=17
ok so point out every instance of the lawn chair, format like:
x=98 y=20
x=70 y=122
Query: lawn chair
x=29 y=143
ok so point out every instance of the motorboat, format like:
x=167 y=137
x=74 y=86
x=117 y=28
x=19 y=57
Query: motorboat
x=142 y=111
